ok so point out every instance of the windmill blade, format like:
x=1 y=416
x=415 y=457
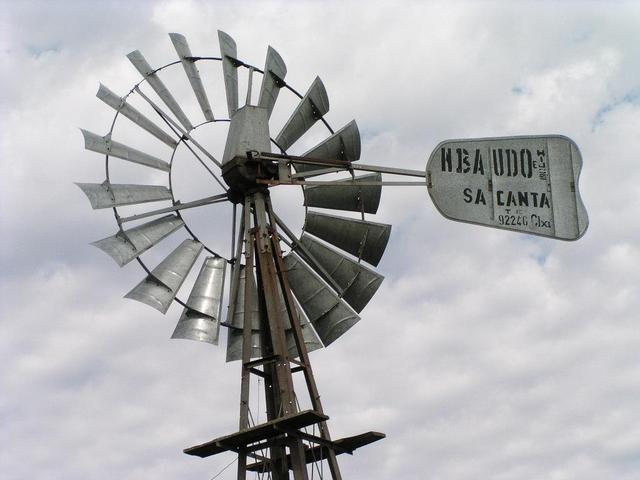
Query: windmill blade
x=366 y=240
x=160 y=287
x=272 y=80
x=141 y=64
x=119 y=104
x=234 y=337
x=358 y=282
x=234 y=345
x=330 y=316
x=311 y=108
x=126 y=245
x=106 y=195
x=184 y=52
x=105 y=145
x=229 y=53
x=200 y=320
x=309 y=336
x=349 y=197
x=342 y=145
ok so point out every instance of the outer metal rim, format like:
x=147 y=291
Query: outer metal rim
x=170 y=180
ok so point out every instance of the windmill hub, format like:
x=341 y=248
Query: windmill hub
x=248 y=132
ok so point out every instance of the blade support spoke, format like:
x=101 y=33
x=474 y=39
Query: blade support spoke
x=178 y=206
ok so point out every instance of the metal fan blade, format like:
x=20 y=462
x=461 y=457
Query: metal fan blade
x=358 y=282
x=229 y=53
x=366 y=240
x=160 y=287
x=201 y=319
x=141 y=64
x=106 y=195
x=330 y=316
x=342 y=145
x=309 y=336
x=118 y=103
x=184 y=53
x=311 y=108
x=99 y=144
x=126 y=245
x=234 y=337
x=274 y=73
x=349 y=197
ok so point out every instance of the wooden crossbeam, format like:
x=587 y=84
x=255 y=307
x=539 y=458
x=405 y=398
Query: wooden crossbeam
x=258 y=433
x=320 y=452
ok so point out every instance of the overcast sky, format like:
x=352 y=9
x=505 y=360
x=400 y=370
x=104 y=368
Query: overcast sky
x=484 y=355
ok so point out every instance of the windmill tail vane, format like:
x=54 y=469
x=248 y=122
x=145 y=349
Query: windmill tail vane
x=282 y=306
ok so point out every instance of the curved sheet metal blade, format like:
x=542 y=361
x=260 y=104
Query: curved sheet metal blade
x=349 y=197
x=331 y=317
x=229 y=54
x=126 y=245
x=358 y=282
x=274 y=73
x=310 y=337
x=234 y=338
x=184 y=52
x=119 y=104
x=160 y=288
x=366 y=240
x=311 y=108
x=234 y=345
x=96 y=143
x=141 y=64
x=201 y=319
x=106 y=195
x=342 y=145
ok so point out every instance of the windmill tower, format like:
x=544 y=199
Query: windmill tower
x=282 y=306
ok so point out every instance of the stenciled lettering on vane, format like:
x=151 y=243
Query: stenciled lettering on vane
x=463 y=162
x=522 y=207
x=516 y=205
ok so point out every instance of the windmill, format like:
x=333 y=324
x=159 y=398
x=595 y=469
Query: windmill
x=283 y=305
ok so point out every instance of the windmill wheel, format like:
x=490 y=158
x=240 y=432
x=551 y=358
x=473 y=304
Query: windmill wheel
x=326 y=264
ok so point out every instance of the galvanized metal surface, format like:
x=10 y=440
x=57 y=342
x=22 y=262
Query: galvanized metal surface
x=330 y=316
x=200 y=320
x=313 y=105
x=249 y=131
x=308 y=256
x=119 y=104
x=525 y=184
x=106 y=146
x=366 y=240
x=229 y=53
x=184 y=52
x=274 y=72
x=160 y=287
x=141 y=64
x=342 y=145
x=353 y=197
x=358 y=282
x=234 y=335
x=106 y=195
x=127 y=245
